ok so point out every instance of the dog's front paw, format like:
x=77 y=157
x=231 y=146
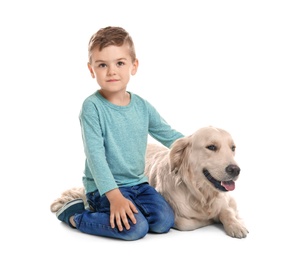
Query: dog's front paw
x=236 y=230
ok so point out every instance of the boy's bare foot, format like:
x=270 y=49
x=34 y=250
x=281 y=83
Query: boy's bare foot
x=72 y=221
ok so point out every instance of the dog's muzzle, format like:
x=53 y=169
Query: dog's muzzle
x=232 y=170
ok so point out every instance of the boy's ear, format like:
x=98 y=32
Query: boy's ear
x=91 y=70
x=135 y=67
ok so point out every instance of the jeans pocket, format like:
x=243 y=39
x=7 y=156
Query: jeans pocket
x=93 y=199
x=98 y=203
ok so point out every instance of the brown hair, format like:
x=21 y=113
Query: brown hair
x=108 y=36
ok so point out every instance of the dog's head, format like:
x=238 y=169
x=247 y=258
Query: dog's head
x=206 y=157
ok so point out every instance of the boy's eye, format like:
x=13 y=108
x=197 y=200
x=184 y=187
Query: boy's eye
x=102 y=65
x=120 y=63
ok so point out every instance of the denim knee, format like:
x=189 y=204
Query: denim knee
x=165 y=222
x=96 y=223
x=137 y=231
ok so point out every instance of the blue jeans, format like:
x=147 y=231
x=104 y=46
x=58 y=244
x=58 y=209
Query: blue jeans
x=154 y=214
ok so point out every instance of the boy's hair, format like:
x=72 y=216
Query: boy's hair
x=108 y=36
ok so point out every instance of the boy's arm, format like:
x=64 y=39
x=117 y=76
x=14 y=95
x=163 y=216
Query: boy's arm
x=94 y=148
x=160 y=130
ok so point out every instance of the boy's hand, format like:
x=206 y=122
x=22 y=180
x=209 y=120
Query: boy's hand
x=120 y=209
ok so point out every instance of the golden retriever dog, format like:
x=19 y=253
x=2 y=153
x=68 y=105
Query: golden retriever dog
x=195 y=176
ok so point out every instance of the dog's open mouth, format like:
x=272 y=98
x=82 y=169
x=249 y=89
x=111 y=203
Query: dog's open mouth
x=221 y=185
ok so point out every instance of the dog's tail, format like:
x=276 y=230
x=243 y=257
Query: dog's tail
x=66 y=196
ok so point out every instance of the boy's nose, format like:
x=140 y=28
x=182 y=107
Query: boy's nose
x=111 y=70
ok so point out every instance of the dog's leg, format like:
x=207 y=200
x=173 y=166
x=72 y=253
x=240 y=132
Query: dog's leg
x=232 y=224
x=187 y=224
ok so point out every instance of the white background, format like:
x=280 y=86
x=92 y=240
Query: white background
x=220 y=63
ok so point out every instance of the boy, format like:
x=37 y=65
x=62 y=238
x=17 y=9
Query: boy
x=115 y=125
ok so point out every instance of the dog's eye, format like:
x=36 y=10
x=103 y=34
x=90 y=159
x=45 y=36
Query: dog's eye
x=233 y=148
x=212 y=147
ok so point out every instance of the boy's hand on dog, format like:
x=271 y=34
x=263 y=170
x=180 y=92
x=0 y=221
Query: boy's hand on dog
x=120 y=210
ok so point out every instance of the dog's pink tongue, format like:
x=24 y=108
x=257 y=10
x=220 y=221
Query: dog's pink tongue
x=228 y=185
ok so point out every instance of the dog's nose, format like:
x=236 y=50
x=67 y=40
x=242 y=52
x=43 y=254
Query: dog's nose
x=233 y=170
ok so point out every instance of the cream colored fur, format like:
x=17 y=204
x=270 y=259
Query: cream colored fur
x=177 y=173
x=68 y=195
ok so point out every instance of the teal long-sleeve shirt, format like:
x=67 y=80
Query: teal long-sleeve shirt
x=115 y=141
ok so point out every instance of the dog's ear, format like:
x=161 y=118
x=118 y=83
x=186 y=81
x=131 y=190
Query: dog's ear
x=179 y=152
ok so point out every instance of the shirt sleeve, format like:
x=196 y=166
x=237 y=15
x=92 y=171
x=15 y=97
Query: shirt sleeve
x=160 y=130
x=94 y=148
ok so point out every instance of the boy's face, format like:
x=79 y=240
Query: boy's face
x=112 y=67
